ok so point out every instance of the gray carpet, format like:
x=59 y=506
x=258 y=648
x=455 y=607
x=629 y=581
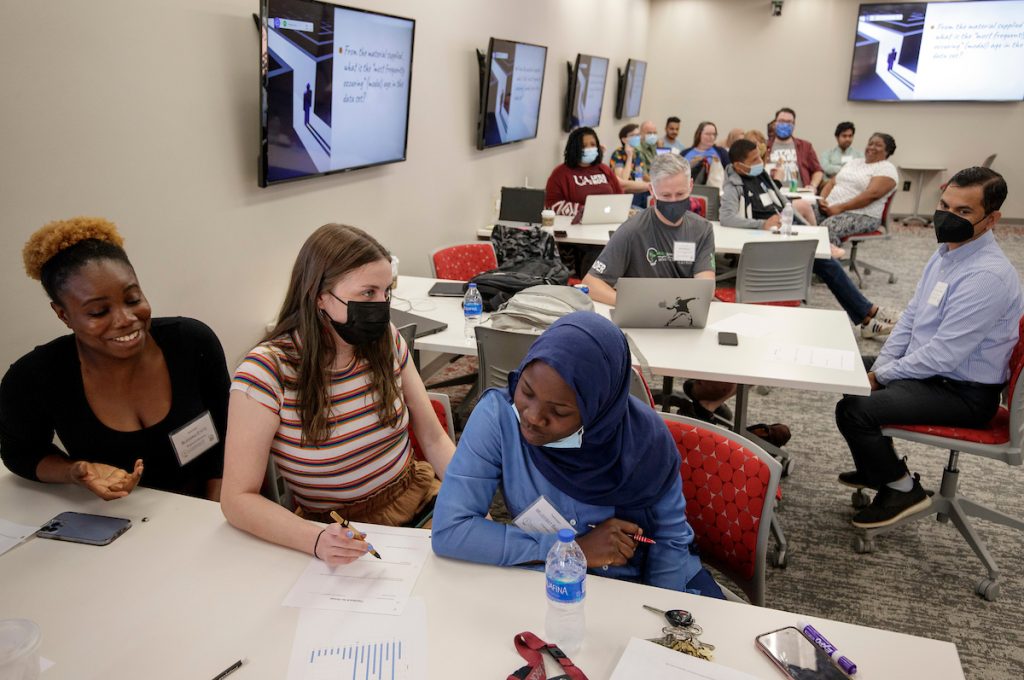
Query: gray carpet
x=920 y=579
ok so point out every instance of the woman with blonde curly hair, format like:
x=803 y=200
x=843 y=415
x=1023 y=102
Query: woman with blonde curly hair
x=132 y=398
x=332 y=397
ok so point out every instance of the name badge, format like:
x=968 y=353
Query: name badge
x=541 y=518
x=194 y=438
x=766 y=199
x=937 y=293
x=684 y=251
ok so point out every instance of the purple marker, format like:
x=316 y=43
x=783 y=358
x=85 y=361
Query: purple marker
x=817 y=638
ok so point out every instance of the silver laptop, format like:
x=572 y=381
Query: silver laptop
x=606 y=208
x=662 y=303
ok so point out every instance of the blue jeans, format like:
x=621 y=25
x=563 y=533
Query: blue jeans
x=853 y=302
x=704 y=583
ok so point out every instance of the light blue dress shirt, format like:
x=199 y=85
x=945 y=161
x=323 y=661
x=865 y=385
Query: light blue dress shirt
x=965 y=332
x=490 y=453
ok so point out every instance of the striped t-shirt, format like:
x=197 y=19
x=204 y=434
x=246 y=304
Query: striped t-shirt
x=360 y=456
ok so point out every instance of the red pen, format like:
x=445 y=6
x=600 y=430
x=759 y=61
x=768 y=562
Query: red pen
x=638 y=536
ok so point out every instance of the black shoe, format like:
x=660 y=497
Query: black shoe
x=890 y=506
x=858 y=481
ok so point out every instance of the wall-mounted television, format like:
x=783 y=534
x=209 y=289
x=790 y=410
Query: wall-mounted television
x=512 y=82
x=939 y=51
x=335 y=84
x=631 y=89
x=586 y=91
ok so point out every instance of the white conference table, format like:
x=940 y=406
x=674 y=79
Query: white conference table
x=182 y=594
x=728 y=240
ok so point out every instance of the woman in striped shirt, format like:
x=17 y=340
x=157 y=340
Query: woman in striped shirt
x=330 y=394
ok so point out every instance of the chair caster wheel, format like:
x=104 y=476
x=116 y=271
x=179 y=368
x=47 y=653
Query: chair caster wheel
x=859 y=499
x=892 y=278
x=777 y=559
x=762 y=389
x=987 y=588
x=863 y=545
x=942 y=517
x=787 y=467
x=867 y=270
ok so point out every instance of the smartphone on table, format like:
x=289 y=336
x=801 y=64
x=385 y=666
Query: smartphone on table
x=798 y=657
x=78 y=527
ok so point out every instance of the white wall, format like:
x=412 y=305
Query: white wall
x=731 y=62
x=147 y=113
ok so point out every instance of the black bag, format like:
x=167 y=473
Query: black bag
x=498 y=285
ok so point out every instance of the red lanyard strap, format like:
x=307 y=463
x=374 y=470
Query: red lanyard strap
x=530 y=647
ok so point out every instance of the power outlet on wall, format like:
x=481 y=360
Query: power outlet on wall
x=906 y=185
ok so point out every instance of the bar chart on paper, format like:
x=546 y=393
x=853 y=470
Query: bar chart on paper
x=381 y=660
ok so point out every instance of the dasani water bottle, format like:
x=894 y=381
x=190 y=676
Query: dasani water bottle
x=786 y=222
x=472 y=308
x=566 y=572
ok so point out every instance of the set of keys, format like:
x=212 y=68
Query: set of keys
x=682 y=634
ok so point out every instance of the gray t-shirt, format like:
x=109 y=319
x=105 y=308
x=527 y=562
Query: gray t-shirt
x=645 y=247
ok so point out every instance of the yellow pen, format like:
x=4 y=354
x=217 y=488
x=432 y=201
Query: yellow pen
x=345 y=523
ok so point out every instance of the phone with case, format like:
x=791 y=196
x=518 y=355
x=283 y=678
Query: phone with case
x=797 y=656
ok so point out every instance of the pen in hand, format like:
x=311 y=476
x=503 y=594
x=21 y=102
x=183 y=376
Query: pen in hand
x=638 y=536
x=362 y=537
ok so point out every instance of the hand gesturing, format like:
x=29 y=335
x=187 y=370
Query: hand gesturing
x=106 y=481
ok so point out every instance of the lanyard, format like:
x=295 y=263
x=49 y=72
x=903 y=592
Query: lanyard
x=530 y=647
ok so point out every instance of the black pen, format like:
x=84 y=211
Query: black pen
x=228 y=671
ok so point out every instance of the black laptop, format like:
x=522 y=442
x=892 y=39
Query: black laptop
x=424 y=326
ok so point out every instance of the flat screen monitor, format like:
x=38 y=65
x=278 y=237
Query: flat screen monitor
x=586 y=91
x=939 y=51
x=631 y=89
x=335 y=84
x=513 y=83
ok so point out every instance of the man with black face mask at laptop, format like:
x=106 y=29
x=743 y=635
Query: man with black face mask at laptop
x=947 y=360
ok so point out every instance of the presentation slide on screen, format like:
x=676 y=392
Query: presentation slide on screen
x=939 y=51
x=337 y=88
x=590 y=80
x=513 y=93
x=636 y=71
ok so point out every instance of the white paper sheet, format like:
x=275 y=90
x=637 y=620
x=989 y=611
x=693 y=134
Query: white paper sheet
x=821 y=357
x=367 y=585
x=541 y=518
x=331 y=645
x=12 y=534
x=746 y=324
x=643 y=659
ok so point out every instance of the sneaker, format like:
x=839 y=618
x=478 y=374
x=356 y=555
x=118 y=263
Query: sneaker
x=875 y=328
x=887 y=316
x=857 y=480
x=890 y=506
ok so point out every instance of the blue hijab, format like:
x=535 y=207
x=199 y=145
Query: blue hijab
x=627 y=459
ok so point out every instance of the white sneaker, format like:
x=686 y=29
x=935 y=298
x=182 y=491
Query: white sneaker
x=888 y=316
x=876 y=327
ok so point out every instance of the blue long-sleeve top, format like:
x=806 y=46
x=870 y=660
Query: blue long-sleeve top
x=490 y=453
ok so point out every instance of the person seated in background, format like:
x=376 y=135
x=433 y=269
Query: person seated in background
x=331 y=394
x=567 y=429
x=734 y=134
x=671 y=139
x=947 y=360
x=853 y=201
x=704 y=150
x=793 y=158
x=134 y=399
x=645 y=247
x=648 y=141
x=581 y=174
x=835 y=158
x=629 y=166
x=751 y=201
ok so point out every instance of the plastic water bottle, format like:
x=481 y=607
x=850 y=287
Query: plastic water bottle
x=566 y=573
x=786 y=224
x=472 y=308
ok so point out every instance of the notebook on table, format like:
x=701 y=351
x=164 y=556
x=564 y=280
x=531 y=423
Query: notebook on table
x=662 y=303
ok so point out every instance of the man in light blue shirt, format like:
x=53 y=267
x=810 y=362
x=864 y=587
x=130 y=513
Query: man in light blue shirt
x=947 y=359
x=833 y=160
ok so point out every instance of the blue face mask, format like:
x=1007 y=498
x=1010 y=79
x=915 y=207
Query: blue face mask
x=783 y=130
x=651 y=139
x=756 y=169
x=633 y=141
x=573 y=441
x=589 y=155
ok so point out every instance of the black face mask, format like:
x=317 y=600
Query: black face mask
x=951 y=228
x=367 y=321
x=673 y=211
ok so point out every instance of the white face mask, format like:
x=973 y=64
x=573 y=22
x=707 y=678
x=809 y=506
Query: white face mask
x=573 y=441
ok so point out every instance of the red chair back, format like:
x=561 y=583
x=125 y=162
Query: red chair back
x=442 y=416
x=463 y=262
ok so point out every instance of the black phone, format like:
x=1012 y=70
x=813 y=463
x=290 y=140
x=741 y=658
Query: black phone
x=798 y=657
x=729 y=339
x=561 y=233
x=78 y=527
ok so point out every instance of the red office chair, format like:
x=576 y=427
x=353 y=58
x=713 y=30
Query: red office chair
x=1001 y=440
x=443 y=408
x=730 y=486
x=880 y=234
x=462 y=262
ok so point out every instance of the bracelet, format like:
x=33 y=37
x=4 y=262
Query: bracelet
x=318 y=543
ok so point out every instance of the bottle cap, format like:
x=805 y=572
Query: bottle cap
x=472 y=285
x=566 y=535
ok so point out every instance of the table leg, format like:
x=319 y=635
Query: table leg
x=739 y=417
x=666 y=393
x=917 y=217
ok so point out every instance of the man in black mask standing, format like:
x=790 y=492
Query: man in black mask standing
x=947 y=359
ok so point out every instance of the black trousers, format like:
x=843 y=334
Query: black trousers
x=935 y=401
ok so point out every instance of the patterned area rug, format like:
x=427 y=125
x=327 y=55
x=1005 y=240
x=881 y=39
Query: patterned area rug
x=920 y=578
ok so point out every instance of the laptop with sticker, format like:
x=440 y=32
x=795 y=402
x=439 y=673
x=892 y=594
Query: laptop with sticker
x=662 y=303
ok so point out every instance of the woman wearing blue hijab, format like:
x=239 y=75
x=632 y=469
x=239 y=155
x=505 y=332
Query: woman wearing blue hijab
x=567 y=429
